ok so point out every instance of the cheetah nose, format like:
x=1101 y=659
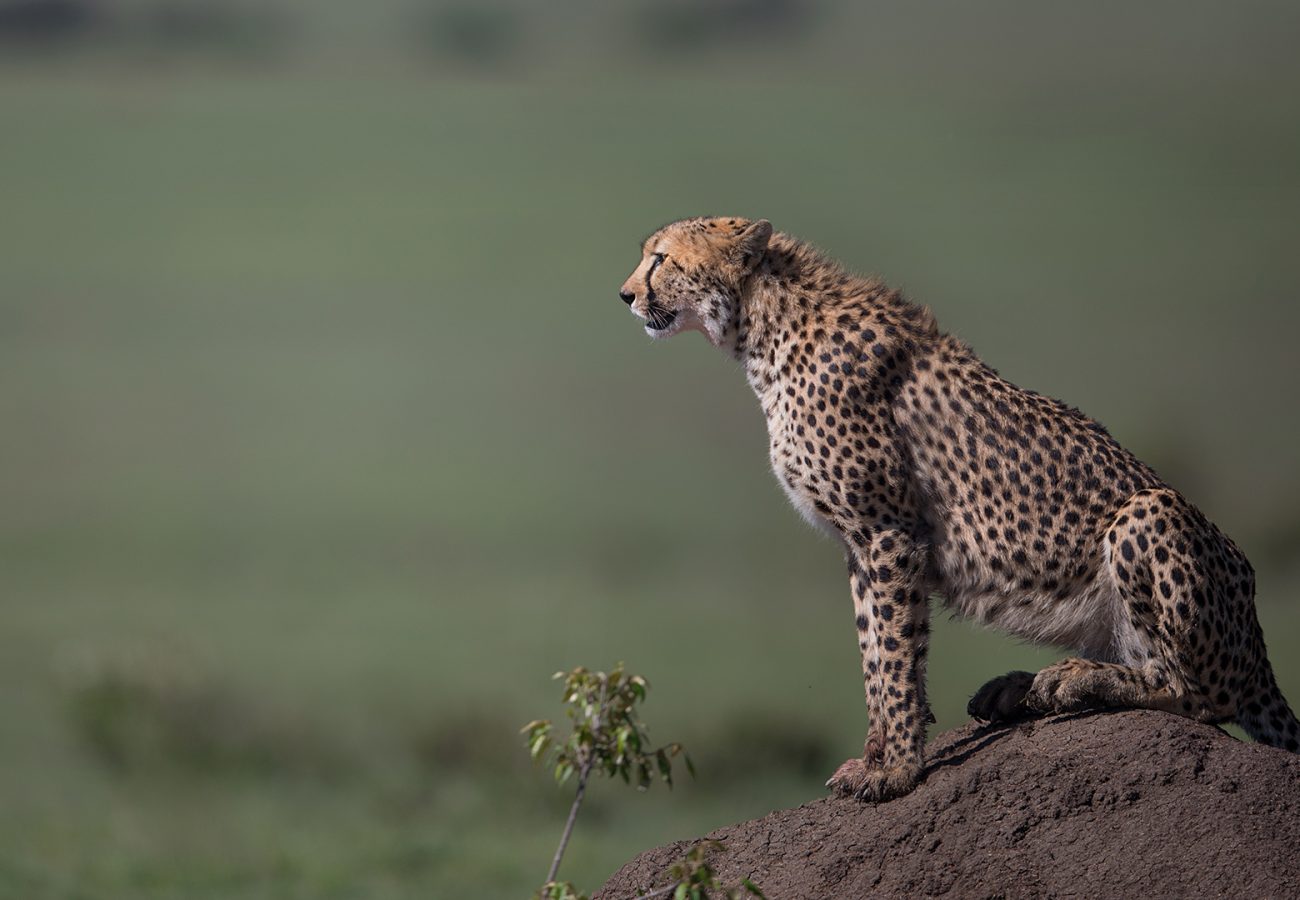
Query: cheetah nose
x=627 y=297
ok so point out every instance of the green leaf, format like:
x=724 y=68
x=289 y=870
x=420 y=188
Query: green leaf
x=665 y=767
x=681 y=892
x=753 y=889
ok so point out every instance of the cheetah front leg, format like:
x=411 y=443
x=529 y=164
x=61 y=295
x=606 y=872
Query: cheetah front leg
x=890 y=601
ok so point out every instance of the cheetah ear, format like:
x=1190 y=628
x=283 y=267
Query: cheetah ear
x=751 y=244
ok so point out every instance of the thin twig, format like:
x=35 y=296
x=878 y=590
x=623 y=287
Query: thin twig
x=573 y=817
x=584 y=771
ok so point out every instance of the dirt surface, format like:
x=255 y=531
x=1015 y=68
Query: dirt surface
x=1121 y=804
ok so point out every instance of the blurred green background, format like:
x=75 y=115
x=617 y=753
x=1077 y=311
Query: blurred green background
x=326 y=439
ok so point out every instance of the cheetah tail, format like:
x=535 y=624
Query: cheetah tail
x=1266 y=717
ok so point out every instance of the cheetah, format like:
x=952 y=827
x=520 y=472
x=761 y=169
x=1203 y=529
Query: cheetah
x=941 y=478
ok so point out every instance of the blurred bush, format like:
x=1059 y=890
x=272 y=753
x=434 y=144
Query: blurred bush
x=42 y=22
x=469 y=741
x=139 y=712
x=481 y=34
x=238 y=27
x=486 y=35
x=745 y=746
x=242 y=29
x=684 y=26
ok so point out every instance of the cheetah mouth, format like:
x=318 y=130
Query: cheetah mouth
x=660 y=320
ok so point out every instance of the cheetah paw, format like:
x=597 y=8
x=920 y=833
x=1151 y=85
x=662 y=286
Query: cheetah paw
x=1056 y=691
x=859 y=779
x=1002 y=699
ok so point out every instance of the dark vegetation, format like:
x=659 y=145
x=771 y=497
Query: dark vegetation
x=489 y=34
x=142 y=717
x=175 y=29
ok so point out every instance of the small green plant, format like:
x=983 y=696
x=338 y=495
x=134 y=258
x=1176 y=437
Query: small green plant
x=559 y=890
x=691 y=878
x=606 y=737
x=694 y=879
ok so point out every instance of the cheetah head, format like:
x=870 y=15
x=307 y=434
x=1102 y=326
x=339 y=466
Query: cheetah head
x=692 y=274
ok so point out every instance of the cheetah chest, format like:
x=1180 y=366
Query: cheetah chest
x=799 y=485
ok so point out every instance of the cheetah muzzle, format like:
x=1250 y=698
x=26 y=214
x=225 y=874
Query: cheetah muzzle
x=940 y=478
x=661 y=320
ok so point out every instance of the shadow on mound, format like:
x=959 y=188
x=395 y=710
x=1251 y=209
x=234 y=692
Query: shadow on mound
x=1105 y=804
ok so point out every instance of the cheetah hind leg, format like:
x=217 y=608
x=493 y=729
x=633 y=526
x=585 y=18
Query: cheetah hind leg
x=1069 y=685
x=1075 y=684
x=1002 y=699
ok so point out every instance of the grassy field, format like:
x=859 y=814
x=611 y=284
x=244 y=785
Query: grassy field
x=326 y=439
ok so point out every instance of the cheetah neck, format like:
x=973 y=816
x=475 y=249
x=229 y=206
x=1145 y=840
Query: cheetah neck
x=798 y=296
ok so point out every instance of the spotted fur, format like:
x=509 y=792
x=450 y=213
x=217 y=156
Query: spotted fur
x=941 y=478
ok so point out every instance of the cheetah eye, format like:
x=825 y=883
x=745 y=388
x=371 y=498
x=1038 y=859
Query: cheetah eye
x=659 y=258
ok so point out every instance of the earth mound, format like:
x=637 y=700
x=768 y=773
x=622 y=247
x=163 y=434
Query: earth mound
x=1118 y=804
